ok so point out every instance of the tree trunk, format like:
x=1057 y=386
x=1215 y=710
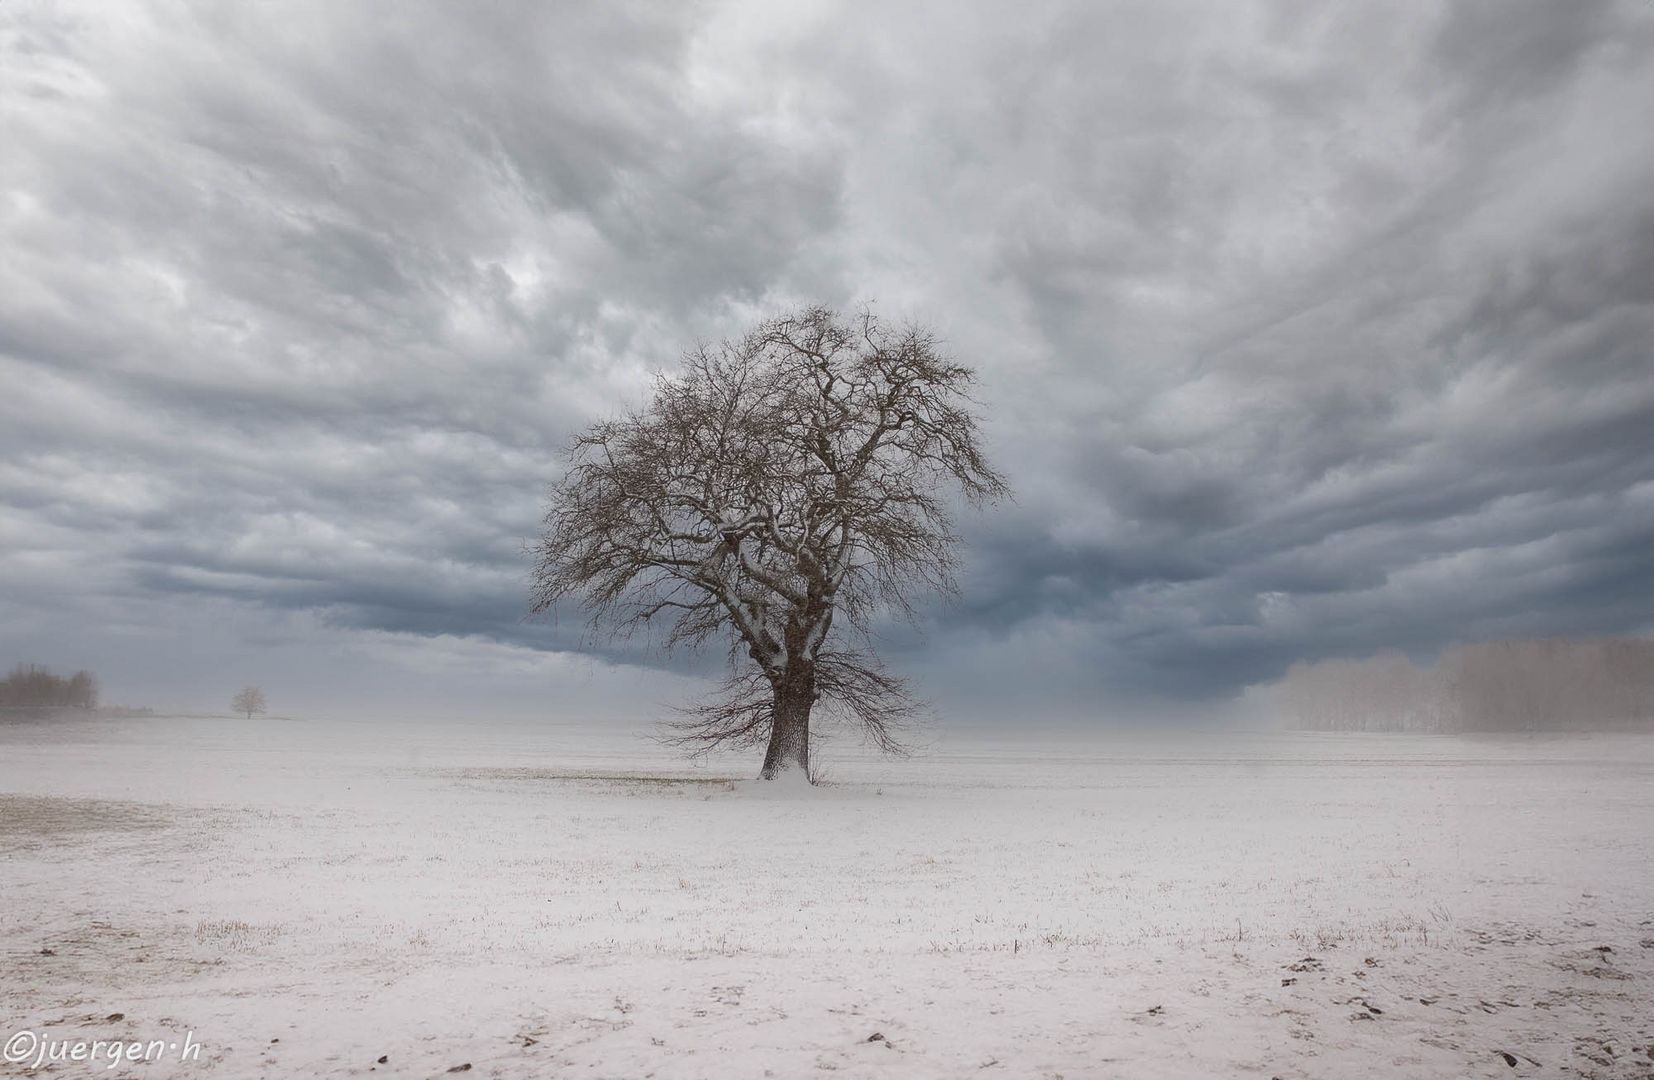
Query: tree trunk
x=790 y=733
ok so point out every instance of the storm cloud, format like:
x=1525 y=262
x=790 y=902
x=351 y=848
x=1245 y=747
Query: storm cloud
x=1304 y=330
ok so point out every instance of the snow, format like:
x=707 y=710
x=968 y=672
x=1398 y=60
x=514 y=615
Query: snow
x=306 y=897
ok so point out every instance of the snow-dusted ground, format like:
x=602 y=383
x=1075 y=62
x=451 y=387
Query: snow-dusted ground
x=306 y=897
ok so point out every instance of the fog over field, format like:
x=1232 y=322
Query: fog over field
x=750 y=539
x=308 y=896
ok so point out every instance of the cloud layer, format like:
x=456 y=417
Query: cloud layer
x=1304 y=331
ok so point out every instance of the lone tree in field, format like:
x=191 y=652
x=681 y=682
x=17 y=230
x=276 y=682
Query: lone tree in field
x=248 y=700
x=784 y=490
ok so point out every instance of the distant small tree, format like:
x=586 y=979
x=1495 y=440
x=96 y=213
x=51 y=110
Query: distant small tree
x=248 y=700
x=83 y=690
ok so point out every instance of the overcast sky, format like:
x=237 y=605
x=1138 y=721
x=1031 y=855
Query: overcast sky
x=1305 y=329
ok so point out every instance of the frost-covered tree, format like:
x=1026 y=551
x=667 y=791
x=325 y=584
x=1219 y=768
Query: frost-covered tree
x=248 y=700
x=782 y=492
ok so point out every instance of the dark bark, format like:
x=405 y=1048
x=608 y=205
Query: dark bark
x=789 y=745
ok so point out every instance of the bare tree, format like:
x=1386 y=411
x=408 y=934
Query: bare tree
x=783 y=492
x=83 y=690
x=248 y=700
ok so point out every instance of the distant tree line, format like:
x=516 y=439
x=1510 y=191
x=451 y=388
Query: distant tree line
x=33 y=686
x=1548 y=685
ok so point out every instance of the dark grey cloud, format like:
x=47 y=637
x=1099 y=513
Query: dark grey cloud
x=1304 y=330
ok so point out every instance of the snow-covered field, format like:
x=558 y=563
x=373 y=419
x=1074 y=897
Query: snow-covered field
x=315 y=897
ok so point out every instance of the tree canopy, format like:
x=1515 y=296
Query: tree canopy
x=784 y=490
